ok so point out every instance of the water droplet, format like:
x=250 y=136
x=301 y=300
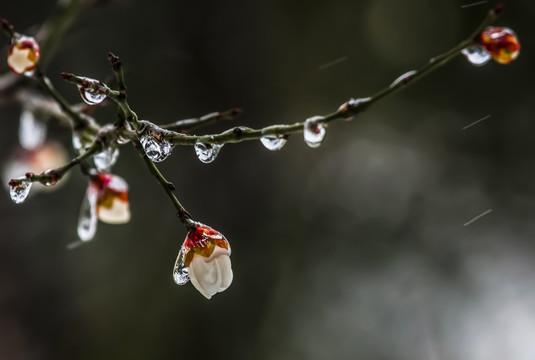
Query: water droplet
x=19 y=191
x=54 y=177
x=104 y=160
x=90 y=95
x=476 y=55
x=405 y=78
x=156 y=150
x=32 y=132
x=501 y=43
x=207 y=152
x=314 y=131
x=87 y=221
x=180 y=270
x=273 y=142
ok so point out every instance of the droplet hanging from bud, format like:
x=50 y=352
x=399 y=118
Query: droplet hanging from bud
x=314 y=131
x=53 y=177
x=502 y=44
x=32 y=132
x=23 y=55
x=207 y=152
x=476 y=55
x=91 y=91
x=87 y=221
x=104 y=160
x=180 y=270
x=273 y=142
x=19 y=190
x=153 y=140
x=156 y=150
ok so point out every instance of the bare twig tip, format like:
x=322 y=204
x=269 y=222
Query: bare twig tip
x=13 y=182
x=6 y=25
x=66 y=76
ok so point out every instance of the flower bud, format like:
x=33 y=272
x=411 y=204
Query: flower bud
x=501 y=43
x=112 y=205
x=204 y=258
x=23 y=55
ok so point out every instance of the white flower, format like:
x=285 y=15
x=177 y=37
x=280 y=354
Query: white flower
x=212 y=274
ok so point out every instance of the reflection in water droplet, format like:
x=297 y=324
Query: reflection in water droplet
x=314 y=131
x=405 y=78
x=32 y=132
x=20 y=191
x=476 y=55
x=207 y=152
x=87 y=222
x=273 y=142
x=180 y=270
x=155 y=149
x=91 y=96
x=104 y=160
x=53 y=177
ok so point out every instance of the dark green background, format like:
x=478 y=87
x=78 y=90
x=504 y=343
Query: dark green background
x=354 y=250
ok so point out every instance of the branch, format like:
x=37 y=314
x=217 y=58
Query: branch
x=208 y=119
x=52 y=176
x=346 y=110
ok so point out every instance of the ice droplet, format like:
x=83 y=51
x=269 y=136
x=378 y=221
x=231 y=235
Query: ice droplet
x=476 y=55
x=405 y=78
x=207 y=152
x=91 y=96
x=32 y=132
x=314 y=131
x=87 y=221
x=180 y=270
x=104 y=160
x=156 y=150
x=273 y=142
x=19 y=192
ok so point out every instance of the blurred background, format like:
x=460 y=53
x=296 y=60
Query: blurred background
x=369 y=247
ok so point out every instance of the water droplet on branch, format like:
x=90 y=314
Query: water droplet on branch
x=180 y=270
x=19 y=191
x=314 y=131
x=476 y=55
x=154 y=143
x=92 y=92
x=32 y=132
x=405 y=78
x=207 y=152
x=104 y=160
x=273 y=142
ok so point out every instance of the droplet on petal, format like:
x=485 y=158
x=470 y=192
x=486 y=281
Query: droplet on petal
x=32 y=132
x=87 y=221
x=314 y=131
x=207 y=152
x=19 y=190
x=405 y=78
x=23 y=55
x=476 y=55
x=156 y=150
x=502 y=44
x=92 y=92
x=180 y=270
x=112 y=198
x=273 y=142
x=104 y=160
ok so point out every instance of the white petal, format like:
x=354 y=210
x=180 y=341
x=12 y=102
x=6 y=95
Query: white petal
x=205 y=275
x=118 y=213
x=19 y=60
x=226 y=272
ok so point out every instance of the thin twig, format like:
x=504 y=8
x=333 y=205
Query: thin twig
x=208 y=119
x=347 y=110
x=52 y=176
